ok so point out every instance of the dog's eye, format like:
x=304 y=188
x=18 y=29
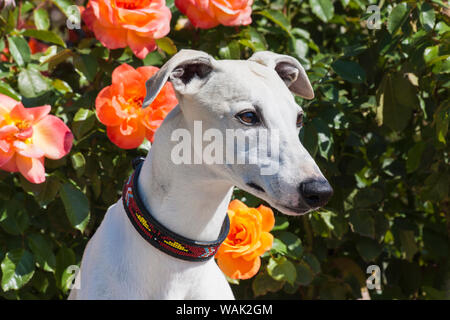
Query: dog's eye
x=248 y=117
x=300 y=120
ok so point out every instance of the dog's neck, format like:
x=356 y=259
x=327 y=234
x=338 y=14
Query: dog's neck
x=187 y=199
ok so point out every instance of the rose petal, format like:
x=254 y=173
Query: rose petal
x=19 y=113
x=8 y=130
x=130 y=141
x=109 y=35
x=141 y=45
x=127 y=74
x=28 y=149
x=265 y=243
x=53 y=137
x=5 y=156
x=7 y=104
x=147 y=71
x=238 y=268
x=10 y=165
x=236 y=204
x=107 y=112
x=268 y=219
x=31 y=168
x=199 y=18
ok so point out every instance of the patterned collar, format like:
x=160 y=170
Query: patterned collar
x=159 y=236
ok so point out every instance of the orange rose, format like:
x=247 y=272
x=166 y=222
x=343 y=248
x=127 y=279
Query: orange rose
x=249 y=237
x=207 y=14
x=119 y=106
x=27 y=135
x=36 y=46
x=3 y=54
x=133 y=23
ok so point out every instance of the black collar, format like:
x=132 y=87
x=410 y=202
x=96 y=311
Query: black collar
x=159 y=236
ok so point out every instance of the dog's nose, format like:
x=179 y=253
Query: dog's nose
x=316 y=193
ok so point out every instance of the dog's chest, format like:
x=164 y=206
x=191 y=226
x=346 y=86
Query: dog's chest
x=119 y=264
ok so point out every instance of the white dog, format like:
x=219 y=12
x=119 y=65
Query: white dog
x=191 y=200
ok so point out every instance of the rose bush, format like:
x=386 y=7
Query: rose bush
x=377 y=128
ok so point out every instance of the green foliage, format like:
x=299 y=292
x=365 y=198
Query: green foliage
x=378 y=129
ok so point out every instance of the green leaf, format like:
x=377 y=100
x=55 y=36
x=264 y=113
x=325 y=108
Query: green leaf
x=167 y=45
x=263 y=284
x=64 y=6
x=13 y=216
x=64 y=259
x=83 y=122
x=41 y=19
x=363 y=223
x=345 y=3
x=281 y=223
x=17 y=269
x=231 y=50
x=430 y=54
x=312 y=262
x=61 y=86
x=292 y=242
x=427 y=16
x=76 y=205
x=278 y=18
x=19 y=49
x=42 y=250
x=397 y=99
x=251 y=38
x=310 y=139
x=414 y=156
x=324 y=136
x=87 y=65
x=304 y=274
x=349 y=70
x=32 y=83
x=299 y=47
x=153 y=59
x=408 y=244
x=45 y=192
x=442 y=119
x=281 y=269
x=279 y=247
x=368 y=249
x=367 y=197
x=10 y=92
x=78 y=163
x=58 y=58
x=323 y=9
x=45 y=35
x=397 y=17
x=442 y=28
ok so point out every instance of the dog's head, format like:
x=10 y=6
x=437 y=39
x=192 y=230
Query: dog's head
x=249 y=122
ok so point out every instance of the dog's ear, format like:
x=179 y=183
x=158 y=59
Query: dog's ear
x=182 y=69
x=289 y=69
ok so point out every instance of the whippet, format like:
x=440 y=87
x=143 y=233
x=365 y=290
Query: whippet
x=191 y=200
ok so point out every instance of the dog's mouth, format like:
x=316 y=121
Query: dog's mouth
x=285 y=209
x=291 y=211
x=255 y=187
